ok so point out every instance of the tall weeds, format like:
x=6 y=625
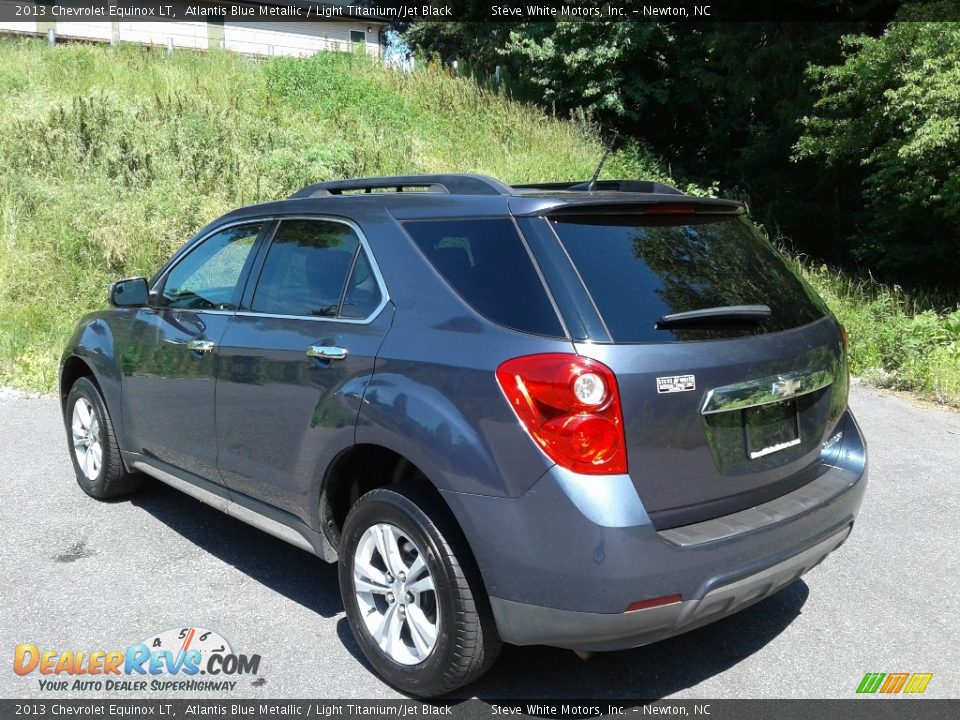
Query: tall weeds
x=897 y=340
x=113 y=157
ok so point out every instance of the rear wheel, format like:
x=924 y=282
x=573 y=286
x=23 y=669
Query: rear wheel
x=93 y=445
x=412 y=595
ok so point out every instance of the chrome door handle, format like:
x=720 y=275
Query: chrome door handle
x=201 y=346
x=326 y=352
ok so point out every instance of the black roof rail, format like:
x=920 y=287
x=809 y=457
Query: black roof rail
x=453 y=184
x=634 y=186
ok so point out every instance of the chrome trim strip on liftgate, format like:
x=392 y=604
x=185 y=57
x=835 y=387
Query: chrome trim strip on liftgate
x=771 y=389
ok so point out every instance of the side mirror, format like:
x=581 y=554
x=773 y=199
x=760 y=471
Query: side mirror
x=131 y=292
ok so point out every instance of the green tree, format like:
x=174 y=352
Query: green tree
x=612 y=72
x=889 y=113
x=476 y=47
x=715 y=101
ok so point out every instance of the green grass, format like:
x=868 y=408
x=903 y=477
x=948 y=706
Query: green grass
x=112 y=157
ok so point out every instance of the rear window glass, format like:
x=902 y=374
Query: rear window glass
x=486 y=263
x=641 y=269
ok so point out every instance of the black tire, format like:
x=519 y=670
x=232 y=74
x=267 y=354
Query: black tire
x=111 y=478
x=467 y=642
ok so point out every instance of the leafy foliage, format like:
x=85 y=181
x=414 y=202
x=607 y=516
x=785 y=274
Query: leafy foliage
x=896 y=341
x=603 y=69
x=891 y=113
x=718 y=102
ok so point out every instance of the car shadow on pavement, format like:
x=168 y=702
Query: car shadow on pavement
x=273 y=563
x=646 y=673
x=650 y=672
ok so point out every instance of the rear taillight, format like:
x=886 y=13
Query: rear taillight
x=570 y=406
x=843 y=338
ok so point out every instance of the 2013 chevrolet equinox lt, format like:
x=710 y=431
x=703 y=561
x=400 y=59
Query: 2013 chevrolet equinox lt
x=590 y=416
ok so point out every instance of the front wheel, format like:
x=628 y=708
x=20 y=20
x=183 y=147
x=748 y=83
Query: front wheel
x=412 y=594
x=93 y=445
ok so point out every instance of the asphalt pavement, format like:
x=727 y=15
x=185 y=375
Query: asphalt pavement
x=76 y=574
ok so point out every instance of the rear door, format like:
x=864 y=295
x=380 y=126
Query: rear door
x=720 y=413
x=295 y=360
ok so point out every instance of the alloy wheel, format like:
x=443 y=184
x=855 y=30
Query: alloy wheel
x=85 y=431
x=396 y=594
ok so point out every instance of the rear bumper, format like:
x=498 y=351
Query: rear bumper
x=524 y=624
x=563 y=562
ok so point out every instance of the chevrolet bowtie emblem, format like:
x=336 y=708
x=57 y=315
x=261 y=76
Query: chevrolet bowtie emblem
x=785 y=387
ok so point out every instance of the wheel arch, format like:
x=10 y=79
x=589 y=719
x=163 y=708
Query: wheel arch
x=348 y=476
x=74 y=368
x=356 y=470
x=92 y=353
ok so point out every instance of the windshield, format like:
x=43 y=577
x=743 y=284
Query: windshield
x=640 y=269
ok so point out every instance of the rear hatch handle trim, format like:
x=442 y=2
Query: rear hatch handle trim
x=766 y=390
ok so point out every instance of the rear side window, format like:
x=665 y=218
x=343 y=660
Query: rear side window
x=486 y=263
x=306 y=269
x=639 y=269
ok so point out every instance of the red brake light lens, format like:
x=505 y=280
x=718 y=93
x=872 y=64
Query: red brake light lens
x=570 y=406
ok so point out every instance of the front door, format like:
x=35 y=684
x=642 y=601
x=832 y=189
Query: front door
x=170 y=354
x=295 y=361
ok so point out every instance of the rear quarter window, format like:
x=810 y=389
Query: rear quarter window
x=638 y=269
x=486 y=262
